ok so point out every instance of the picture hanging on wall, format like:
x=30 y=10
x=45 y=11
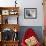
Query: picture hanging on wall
x=30 y=13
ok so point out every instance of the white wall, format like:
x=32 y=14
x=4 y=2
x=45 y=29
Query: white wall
x=31 y=4
x=7 y=3
x=27 y=4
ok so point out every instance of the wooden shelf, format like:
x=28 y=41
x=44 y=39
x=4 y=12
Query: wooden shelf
x=9 y=8
x=10 y=26
x=9 y=43
x=4 y=13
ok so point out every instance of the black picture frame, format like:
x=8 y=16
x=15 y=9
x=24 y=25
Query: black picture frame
x=30 y=13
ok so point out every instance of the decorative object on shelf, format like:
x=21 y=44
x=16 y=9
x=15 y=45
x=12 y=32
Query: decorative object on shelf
x=15 y=34
x=13 y=12
x=30 y=13
x=15 y=3
x=7 y=34
x=6 y=21
x=15 y=37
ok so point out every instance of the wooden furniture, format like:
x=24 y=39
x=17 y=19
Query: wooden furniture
x=5 y=12
x=44 y=8
x=10 y=43
x=44 y=35
x=6 y=24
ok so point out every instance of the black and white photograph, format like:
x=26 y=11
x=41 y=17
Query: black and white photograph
x=30 y=13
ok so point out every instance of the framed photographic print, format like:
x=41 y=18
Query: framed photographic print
x=30 y=13
x=5 y=12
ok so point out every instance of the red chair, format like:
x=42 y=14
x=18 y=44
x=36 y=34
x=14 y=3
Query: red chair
x=29 y=33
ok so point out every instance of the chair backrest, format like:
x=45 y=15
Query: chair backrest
x=29 y=32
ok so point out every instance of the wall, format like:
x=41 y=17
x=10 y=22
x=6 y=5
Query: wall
x=31 y=4
x=27 y=4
